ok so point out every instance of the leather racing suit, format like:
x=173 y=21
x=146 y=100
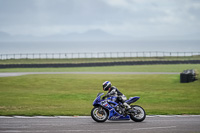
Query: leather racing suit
x=113 y=91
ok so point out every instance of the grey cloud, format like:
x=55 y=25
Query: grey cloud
x=125 y=17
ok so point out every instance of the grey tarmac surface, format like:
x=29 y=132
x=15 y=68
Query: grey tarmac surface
x=85 y=124
x=9 y=74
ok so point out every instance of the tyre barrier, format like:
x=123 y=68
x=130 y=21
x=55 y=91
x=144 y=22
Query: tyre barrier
x=98 y=64
x=187 y=76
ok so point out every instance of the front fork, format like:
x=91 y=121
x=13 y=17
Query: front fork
x=100 y=110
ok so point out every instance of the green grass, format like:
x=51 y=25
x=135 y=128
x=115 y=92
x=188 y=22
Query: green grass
x=73 y=94
x=133 y=68
x=67 y=94
x=93 y=60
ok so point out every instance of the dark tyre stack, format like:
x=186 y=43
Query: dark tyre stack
x=188 y=76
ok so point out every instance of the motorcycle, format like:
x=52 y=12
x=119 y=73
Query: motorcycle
x=109 y=109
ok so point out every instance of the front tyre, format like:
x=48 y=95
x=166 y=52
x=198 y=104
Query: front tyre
x=139 y=114
x=99 y=116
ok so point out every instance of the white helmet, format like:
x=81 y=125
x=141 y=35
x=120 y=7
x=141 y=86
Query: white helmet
x=106 y=85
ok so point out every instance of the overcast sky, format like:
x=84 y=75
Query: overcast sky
x=139 y=18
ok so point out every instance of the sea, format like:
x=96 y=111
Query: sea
x=99 y=47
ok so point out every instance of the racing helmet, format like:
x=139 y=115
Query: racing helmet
x=106 y=85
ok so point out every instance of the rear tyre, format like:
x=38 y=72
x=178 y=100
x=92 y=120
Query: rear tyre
x=140 y=114
x=99 y=116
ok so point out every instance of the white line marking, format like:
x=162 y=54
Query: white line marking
x=87 y=117
x=19 y=131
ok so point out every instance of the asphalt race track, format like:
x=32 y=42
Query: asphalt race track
x=10 y=74
x=85 y=124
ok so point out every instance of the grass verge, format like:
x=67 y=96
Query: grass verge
x=73 y=94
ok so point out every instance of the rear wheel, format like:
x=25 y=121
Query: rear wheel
x=99 y=116
x=139 y=114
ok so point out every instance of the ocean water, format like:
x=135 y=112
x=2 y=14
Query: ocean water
x=97 y=47
x=78 y=47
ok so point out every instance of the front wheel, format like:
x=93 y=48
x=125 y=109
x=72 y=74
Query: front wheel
x=99 y=114
x=139 y=114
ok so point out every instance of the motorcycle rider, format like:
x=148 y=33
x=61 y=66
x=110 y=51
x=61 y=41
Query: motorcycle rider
x=113 y=91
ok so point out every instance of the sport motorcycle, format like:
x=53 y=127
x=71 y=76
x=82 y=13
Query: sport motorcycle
x=109 y=109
